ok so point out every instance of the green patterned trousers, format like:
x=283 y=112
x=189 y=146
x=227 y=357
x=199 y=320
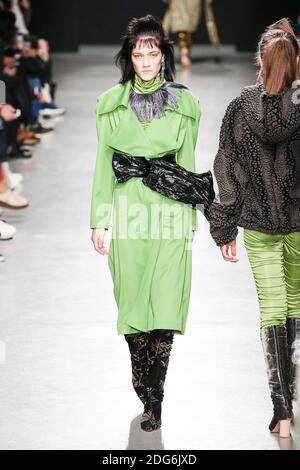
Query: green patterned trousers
x=275 y=263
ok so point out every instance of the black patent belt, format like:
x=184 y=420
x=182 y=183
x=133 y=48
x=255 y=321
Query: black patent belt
x=167 y=177
x=126 y=166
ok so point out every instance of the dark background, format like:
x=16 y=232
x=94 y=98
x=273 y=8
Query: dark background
x=69 y=23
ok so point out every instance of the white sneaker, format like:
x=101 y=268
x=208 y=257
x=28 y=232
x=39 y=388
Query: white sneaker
x=6 y=231
x=52 y=111
x=13 y=179
x=2 y=258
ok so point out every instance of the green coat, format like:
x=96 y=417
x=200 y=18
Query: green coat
x=150 y=262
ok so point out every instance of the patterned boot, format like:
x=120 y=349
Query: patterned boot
x=274 y=342
x=159 y=349
x=293 y=338
x=138 y=347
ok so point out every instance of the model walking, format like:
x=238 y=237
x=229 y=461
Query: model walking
x=258 y=173
x=145 y=117
x=183 y=17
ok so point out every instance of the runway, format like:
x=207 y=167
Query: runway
x=65 y=373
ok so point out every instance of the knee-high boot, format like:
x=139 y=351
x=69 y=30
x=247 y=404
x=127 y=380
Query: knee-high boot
x=274 y=342
x=293 y=338
x=159 y=349
x=138 y=347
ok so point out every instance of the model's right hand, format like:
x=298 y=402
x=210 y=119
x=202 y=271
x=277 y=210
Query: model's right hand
x=225 y=250
x=8 y=112
x=97 y=237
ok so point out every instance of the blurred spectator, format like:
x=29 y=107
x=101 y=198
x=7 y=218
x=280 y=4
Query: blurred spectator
x=183 y=17
x=35 y=64
x=26 y=70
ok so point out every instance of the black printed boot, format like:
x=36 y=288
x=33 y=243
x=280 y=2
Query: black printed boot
x=138 y=347
x=274 y=342
x=159 y=349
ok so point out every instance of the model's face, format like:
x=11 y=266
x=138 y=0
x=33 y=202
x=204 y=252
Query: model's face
x=146 y=58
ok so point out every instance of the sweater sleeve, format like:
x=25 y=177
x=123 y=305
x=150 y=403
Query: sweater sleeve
x=228 y=168
x=104 y=176
x=186 y=154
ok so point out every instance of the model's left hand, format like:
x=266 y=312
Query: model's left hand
x=225 y=249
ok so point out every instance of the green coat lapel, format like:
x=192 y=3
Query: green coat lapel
x=161 y=136
x=158 y=138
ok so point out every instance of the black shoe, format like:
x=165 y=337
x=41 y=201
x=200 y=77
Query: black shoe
x=152 y=421
x=274 y=342
x=20 y=152
x=39 y=129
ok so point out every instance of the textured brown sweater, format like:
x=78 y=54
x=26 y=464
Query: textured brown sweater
x=257 y=166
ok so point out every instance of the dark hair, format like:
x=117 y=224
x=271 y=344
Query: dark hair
x=279 y=49
x=136 y=28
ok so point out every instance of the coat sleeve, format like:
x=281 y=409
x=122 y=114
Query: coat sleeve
x=104 y=176
x=228 y=168
x=186 y=154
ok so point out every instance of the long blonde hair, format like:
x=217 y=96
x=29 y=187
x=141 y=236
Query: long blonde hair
x=279 y=50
